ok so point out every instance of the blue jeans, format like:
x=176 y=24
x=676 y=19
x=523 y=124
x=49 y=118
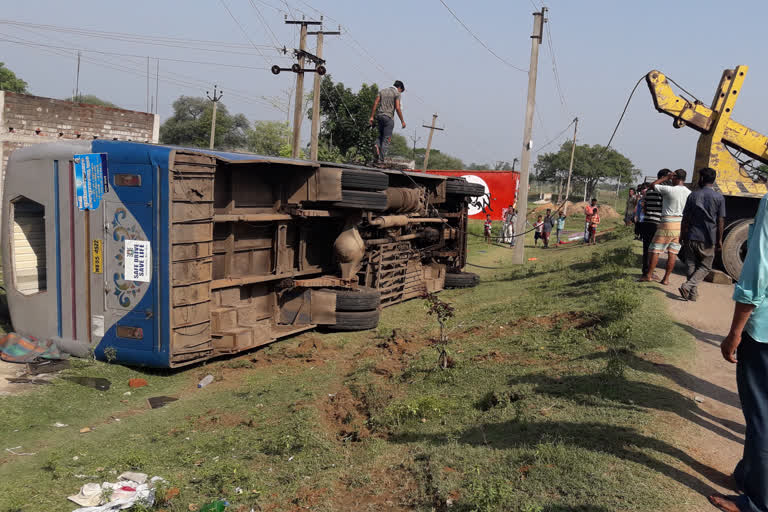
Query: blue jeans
x=751 y=473
x=386 y=126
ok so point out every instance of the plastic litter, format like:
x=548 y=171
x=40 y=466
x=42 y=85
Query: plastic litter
x=60 y=425
x=123 y=494
x=215 y=506
x=206 y=380
x=13 y=451
x=137 y=383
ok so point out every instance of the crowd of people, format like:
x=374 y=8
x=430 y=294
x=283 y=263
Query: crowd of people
x=668 y=218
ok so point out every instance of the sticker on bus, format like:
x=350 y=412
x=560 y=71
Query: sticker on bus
x=97 y=256
x=138 y=264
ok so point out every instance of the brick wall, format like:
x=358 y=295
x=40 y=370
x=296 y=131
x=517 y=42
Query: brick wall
x=27 y=120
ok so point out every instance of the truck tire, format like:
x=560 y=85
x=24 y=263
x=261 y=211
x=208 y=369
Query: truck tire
x=735 y=248
x=360 y=299
x=463 y=188
x=364 y=200
x=364 y=180
x=355 y=320
x=461 y=280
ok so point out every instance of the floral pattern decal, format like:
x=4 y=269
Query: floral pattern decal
x=125 y=291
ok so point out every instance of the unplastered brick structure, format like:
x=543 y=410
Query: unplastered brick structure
x=27 y=120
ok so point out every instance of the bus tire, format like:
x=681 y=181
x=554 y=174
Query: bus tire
x=355 y=320
x=359 y=299
x=461 y=280
x=371 y=181
x=363 y=200
x=463 y=188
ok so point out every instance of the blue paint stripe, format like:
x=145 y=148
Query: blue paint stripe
x=57 y=222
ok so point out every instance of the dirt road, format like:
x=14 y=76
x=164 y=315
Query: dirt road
x=715 y=437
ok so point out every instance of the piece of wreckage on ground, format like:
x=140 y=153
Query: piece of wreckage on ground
x=164 y=256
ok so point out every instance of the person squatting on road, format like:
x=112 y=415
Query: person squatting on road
x=588 y=211
x=667 y=237
x=747 y=346
x=549 y=223
x=387 y=102
x=701 y=231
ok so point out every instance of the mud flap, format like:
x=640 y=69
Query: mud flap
x=323 y=310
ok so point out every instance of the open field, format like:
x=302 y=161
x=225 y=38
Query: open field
x=555 y=402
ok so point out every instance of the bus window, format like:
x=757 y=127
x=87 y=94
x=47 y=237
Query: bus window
x=28 y=246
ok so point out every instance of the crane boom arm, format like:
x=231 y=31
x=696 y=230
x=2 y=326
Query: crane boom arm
x=717 y=130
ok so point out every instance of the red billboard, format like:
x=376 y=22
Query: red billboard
x=500 y=191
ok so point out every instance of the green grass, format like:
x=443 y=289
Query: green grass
x=552 y=405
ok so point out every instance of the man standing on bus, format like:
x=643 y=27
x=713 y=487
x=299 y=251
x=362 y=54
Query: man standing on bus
x=387 y=102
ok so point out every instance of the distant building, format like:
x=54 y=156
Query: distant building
x=27 y=120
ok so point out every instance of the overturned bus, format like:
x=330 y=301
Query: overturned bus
x=163 y=256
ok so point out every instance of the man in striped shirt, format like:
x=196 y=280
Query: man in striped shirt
x=652 y=203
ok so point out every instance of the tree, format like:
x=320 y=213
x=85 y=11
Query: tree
x=399 y=147
x=344 y=119
x=438 y=160
x=268 y=137
x=10 y=82
x=92 y=99
x=190 y=125
x=591 y=166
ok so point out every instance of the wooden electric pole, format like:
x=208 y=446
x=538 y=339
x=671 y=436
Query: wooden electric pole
x=525 y=157
x=298 y=101
x=215 y=99
x=570 y=166
x=429 y=140
x=316 y=93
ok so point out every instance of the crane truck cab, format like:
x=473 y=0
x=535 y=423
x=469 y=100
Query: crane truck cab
x=164 y=256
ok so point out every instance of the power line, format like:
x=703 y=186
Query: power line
x=265 y=24
x=104 y=52
x=555 y=72
x=242 y=29
x=481 y=41
x=553 y=139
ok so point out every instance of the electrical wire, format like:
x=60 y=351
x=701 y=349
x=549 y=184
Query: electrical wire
x=266 y=25
x=242 y=29
x=555 y=72
x=553 y=139
x=506 y=62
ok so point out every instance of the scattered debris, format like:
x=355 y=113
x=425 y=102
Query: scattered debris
x=92 y=382
x=60 y=425
x=206 y=380
x=47 y=366
x=120 y=495
x=139 y=478
x=13 y=451
x=28 y=349
x=137 y=383
x=85 y=430
x=127 y=393
x=698 y=399
x=160 y=401
x=215 y=506
x=26 y=380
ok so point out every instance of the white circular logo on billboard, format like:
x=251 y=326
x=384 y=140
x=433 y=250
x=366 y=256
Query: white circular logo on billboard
x=476 y=206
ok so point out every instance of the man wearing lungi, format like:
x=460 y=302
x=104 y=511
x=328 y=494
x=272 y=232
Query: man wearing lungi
x=667 y=237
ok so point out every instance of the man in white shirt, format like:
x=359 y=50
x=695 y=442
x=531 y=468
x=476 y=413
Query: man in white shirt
x=667 y=237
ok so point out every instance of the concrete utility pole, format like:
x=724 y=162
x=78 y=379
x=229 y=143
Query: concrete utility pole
x=429 y=140
x=316 y=93
x=570 y=167
x=299 y=95
x=215 y=99
x=538 y=26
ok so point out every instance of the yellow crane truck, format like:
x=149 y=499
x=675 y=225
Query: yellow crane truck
x=732 y=149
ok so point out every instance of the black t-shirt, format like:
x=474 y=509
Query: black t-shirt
x=702 y=209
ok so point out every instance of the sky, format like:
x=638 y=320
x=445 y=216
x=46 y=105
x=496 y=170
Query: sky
x=601 y=48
